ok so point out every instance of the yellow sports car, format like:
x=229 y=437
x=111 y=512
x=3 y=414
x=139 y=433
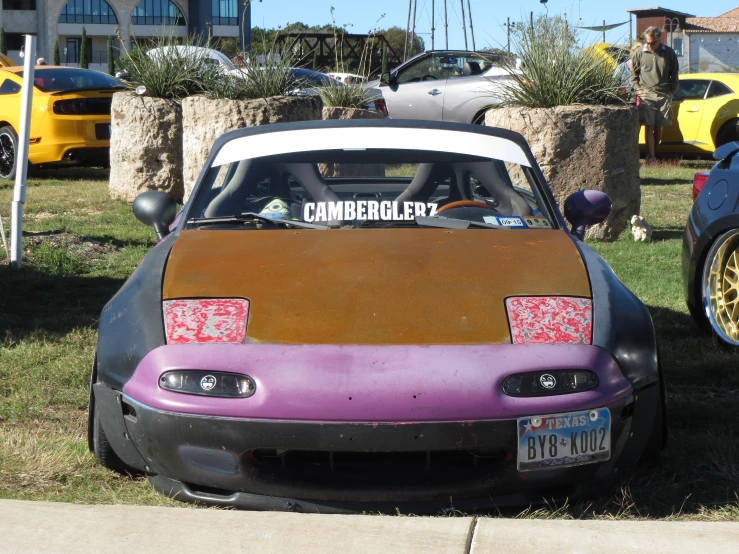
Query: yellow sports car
x=70 y=118
x=5 y=61
x=705 y=114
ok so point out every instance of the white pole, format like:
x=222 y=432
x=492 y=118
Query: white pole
x=21 y=153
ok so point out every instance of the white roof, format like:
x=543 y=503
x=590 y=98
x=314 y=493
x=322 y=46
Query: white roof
x=358 y=138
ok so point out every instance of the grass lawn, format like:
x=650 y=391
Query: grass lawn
x=80 y=247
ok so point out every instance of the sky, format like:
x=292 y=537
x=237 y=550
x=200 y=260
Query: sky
x=489 y=16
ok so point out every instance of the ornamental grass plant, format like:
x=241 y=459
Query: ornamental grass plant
x=338 y=95
x=554 y=70
x=179 y=70
x=263 y=76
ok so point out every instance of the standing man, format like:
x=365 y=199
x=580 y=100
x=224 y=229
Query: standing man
x=654 y=76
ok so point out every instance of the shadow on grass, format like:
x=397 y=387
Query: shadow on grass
x=50 y=305
x=667 y=233
x=660 y=182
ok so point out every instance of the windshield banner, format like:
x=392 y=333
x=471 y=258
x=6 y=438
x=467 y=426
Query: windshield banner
x=367 y=210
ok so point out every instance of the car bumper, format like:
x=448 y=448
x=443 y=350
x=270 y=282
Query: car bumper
x=386 y=448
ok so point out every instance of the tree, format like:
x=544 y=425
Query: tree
x=56 y=53
x=3 y=42
x=111 y=61
x=84 y=59
x=395 y=37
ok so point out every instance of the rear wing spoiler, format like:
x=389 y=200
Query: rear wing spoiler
x=726 y=152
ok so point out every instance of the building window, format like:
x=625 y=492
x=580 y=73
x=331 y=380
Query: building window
x=19 y=4
x=157 y=12
x=88 y=11
x=15 y=41
x=677 y=46
x=224 y=12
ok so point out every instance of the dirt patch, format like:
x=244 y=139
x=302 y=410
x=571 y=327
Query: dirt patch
x=86 y=247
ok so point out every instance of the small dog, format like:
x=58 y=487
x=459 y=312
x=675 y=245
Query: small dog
x=641 y=230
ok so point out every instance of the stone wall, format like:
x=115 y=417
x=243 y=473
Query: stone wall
x=583 y=147
x=205 y=119
x=145 y=146
x=713 y=52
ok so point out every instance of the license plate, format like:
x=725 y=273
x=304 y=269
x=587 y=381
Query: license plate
x=102 y=131
x=558 y=440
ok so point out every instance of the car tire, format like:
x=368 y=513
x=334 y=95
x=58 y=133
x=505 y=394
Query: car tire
x=720 y=288
x=98 y=441
x=658 y=437
x=8 y=149
x=729 y=132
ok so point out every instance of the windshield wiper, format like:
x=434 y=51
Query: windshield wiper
x=251 y=217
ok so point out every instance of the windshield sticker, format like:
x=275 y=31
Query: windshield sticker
x=537 y=222
x=367 y=210
x=504 y=221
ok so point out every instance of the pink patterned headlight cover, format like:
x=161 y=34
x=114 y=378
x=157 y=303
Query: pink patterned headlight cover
x=550 y=319
x=205 y=320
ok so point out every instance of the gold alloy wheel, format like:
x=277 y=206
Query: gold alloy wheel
x=721 y=287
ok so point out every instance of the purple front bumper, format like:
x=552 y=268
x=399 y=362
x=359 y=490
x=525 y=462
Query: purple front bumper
x=378 y=426
x=377 y=383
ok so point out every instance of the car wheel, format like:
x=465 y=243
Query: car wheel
x=658 y=438
x=8 y=146
x=728 y=133
x=720 y=287
x=98 y=442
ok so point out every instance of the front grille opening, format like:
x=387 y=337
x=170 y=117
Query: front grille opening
x=386 y=467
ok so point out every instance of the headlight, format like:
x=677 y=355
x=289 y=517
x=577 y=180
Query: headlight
x=209 y=383
x=549 y=383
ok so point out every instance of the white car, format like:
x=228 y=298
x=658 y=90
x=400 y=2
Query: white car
x=207 y=55
x=444 y=85
x=348 y=78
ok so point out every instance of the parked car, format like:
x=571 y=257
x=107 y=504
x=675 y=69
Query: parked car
x=711 y=248
x=443 y=85
x=348 y=78
x=429 y=340
x=706 y=115
x=310 y=80
x=5 y=61
x=205 y=55
x=70 y=117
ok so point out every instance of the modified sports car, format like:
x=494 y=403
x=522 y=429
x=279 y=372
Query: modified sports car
x=711 y=247
x=418 y=331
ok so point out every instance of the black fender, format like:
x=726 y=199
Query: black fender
x=622 y=324
x=132 y=324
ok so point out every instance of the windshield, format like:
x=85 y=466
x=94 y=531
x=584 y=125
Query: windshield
x=373 y=187
x=313 y=78
x=69 y=80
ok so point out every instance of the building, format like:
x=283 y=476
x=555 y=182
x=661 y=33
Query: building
x=703 y=44
x=62 y=21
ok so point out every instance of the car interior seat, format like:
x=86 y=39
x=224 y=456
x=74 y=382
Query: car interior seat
x=427 y=179
x=496 y=181
x=471 y=68
x=245 y=179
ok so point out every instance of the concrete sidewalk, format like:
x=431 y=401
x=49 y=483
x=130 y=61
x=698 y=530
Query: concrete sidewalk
x=66 y=528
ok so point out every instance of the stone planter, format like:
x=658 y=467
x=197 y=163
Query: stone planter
x=351 y=170
x=583 y=147
x=145 y=146
x=205 y=119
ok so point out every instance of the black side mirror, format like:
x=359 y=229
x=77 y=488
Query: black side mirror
x=157 y=209
x=586 y=208
x=387 y=79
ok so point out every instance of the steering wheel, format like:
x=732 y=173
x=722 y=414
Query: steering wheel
x=463 y=203
x=428 y=77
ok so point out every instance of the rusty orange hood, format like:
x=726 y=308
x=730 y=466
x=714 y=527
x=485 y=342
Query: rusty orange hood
x=375 y=286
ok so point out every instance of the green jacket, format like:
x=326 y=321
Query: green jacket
x=655 y=73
